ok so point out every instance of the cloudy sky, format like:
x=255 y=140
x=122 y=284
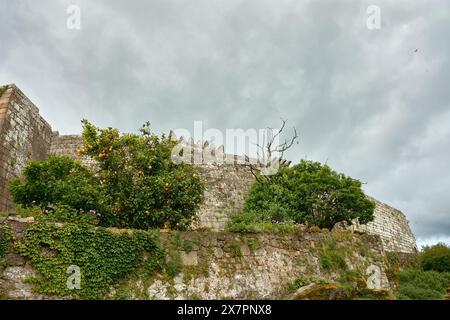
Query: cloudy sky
x=373 y=103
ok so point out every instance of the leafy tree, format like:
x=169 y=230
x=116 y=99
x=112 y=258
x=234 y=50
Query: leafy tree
x=145 y=187
x=58 y=180
x=436 y=258
x=309 y=192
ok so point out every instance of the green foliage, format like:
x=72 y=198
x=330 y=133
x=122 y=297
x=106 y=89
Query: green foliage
x=136 y=185
x=304 y=281
x=398 y=261
x=332 y=260
x=235 y=247
x=64 y=213
x=104 y=258
x=5 y=239
x=422 y=285
x=332 y=256
x=155 y=261
x=146 y=189
x=436 y=258
x=2 y=90
x=179 y=242
x=58 y=180
x=195 y=296
x=250 y=222
x=173 y=266
x=309 y=192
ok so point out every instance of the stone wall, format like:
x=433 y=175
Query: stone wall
x=227 y=265
x=228 y=184
x=392 y=226
x=24 y=136
x=259 y=266
x=68 y=145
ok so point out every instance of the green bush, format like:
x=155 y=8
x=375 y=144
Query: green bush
x=136 y=184
x=58 y=180
x=308 y=192
x=64 y=213
x=422 y=285
x=146 y=189
x=436 y=258
x=2 y=90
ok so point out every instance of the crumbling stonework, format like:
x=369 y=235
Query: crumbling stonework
x=258 y=266
x=24 y=135
x=227 y=186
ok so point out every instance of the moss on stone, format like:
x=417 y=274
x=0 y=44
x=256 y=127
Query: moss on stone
x=3 y=90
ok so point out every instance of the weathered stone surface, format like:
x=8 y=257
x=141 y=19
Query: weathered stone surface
x=262 y=272
x=391 y=225
x=189 y=259
x=24 y=136
x=316 y=291
x=14 y=260
x=215 y=270
x=14 y=285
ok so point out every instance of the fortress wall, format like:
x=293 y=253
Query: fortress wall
x=221 y=265
x=228 y=184
x=392 y=226
x=68 y=145
x=24 y=136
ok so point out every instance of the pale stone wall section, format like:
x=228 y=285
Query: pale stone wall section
x=262 y=270
x=69 y=145
x=24 y=136
x=227 y=186
x=392 y=226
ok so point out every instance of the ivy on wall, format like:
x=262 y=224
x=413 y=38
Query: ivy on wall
x=104 y=258
x=3 y=89
x=5 y=238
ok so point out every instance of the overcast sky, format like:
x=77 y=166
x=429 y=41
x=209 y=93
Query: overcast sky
x=374 y=104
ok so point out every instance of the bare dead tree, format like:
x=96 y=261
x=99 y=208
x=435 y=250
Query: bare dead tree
x=268 y=149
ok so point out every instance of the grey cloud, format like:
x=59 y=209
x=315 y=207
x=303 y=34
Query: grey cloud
x=362 y=100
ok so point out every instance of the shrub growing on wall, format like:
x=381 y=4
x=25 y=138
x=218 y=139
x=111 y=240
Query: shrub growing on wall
x=145 y=187
x=58 y=180
x=309 y=192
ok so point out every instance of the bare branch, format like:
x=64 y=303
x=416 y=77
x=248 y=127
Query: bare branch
x=267 y=149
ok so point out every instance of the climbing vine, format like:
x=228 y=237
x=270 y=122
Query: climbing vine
x=5 y=238
x=3 y=89
x=104 y=258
